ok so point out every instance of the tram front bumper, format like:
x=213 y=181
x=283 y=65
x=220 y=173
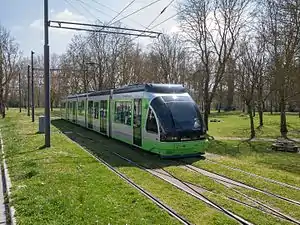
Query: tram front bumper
x=186 y=148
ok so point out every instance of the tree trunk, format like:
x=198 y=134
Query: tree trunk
x=207 y=103
x=260 y=114
x=6 y=94
x=261 y=119
x=283 y=127
x=219 y=107
x=252 y=130
x=2 y=106
x=206 y=113
x=230 y=93
x=271 y=107
x=51 y=106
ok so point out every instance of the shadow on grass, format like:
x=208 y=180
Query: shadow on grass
x=103 y=147
x=33 y=134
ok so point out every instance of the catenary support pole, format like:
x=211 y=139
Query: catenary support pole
x=28 y=90
x=46 y=75
x=32 y=88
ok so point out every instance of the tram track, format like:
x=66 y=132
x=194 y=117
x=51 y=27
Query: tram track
x=263 y=207
x=179 y=184
x=191 y=188
x=195 y=190
x=255 y=175
x=217 y=176
x=260 y=206
x=155 y=200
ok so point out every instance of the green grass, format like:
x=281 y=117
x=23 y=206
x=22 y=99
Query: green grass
x=236 y=124
x=219 y=194
x=197 y=212
x=38 y=167
x=147 y=180
x=257 y=158
x=64 y=185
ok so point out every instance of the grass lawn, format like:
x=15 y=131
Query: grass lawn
x=235 y=124
x=257 y=158
x=70 y=184
x=65 y=185
x=197 y=213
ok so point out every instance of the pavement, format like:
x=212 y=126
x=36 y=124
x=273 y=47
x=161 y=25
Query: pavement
x=6 y=216
x=2 y=205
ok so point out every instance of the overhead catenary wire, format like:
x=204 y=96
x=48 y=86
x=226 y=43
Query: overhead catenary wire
x=88 y=38
x=107 y=23
x=171 y=17
x=99 y=26
x=138 y=10
x=98 y=10
x=121 y=11
x=103 y=5
x=163 y=10
x=82 y=4
x=104 y=31
x=67 y=1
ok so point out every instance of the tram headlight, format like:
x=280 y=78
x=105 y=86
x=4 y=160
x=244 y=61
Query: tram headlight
x=164 y=137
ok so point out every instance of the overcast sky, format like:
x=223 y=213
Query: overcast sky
x=24 y=18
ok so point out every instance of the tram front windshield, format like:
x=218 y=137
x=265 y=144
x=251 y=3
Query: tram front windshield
x=177 y=113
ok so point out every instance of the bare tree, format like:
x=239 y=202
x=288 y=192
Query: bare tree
x=9 y=58
x=212 y=28
x=282 y=34
x=251 y=65
x=171 y=54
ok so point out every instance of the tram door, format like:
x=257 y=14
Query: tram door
x=103 y=116
x=137 y=122
x=67 y=111
x=74 y=112
x=90 y=114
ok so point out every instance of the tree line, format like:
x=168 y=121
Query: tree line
x=237 y=54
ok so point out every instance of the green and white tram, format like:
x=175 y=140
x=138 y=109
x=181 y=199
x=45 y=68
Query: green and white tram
x=160 y=118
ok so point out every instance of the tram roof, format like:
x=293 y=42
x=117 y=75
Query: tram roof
x=153 y=88
x=97 y=93
x=77 y=95
x=148 y=87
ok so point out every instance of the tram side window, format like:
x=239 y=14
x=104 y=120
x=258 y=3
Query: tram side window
x=118 y=111
x=103 y=109
x=90 y=109
x=123 y=112
x=127 y=113
x=81 y=108
x=151 y=125
x=96 y=110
